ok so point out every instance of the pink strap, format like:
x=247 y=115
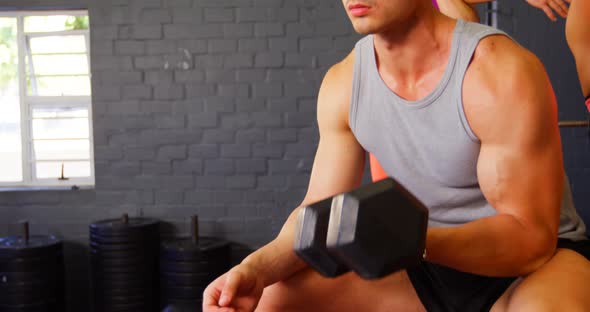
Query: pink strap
x=588 y=103
x=435 y=4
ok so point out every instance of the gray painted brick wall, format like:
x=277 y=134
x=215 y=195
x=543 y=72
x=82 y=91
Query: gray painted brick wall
x=200 y=107
x=207 y=107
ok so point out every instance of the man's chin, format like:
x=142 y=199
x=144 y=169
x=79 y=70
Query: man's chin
x=363 y=29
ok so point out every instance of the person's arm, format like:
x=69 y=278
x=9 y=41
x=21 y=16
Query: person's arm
x=547 y=6
x=458 y=9
x=338 y=167
x=512 y=110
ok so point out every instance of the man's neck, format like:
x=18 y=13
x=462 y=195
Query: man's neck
x=411 y=51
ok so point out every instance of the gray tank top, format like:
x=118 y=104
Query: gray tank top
x=427 y=145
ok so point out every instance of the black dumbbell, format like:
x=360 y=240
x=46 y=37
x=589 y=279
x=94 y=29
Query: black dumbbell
x=375 y=230
x=310 y=239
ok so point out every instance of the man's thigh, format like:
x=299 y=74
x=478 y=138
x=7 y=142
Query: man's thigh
x=559 y=285
x=308 y=291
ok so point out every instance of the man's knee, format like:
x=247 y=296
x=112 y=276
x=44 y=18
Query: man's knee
x=308 y=291
x=546 y=305
x=560 y=285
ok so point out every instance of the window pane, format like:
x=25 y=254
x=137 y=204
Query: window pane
x=58 y=44
x=71 y=128
x=62 y=149
x=60 y=113
x=10 y=139
x=57 y=86
x=68 y=64
x=55 y=23
x=72 y=169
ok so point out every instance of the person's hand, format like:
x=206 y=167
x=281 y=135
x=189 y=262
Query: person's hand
x=549 y=6
x=238 y=290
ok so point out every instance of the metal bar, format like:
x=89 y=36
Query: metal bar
x=26 y=128
x=574 y=124
x=25 y=231
x=195 y=229
x=31 y=67
x=58 y=53
x=61 y=75
x=61 y=160
x=47 y=11
x=60 y=139
x=58 y=33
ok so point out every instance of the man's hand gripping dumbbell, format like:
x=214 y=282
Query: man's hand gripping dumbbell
x=375 y=230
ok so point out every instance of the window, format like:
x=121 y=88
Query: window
x=45 y=103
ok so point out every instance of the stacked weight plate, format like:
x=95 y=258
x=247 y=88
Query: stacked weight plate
x=124 y=261
x=31 y=274
x=188 y=265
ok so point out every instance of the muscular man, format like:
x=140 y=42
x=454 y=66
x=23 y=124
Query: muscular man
x=466 y=119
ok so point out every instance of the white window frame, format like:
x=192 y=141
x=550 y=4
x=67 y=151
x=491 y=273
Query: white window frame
x=28 y=103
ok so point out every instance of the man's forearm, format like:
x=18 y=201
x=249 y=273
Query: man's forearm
x=458 y=9
x=276 y=261
x=493 y=246
x=477 y=1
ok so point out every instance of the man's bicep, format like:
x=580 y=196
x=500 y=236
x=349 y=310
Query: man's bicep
x=339 y=160
x=338 y=166
x=520 y=168
x=525 y=183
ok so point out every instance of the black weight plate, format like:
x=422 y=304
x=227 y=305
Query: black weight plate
x=103 y=304
x=37 y=246
x=147 y=247
x=186 y=279
x=129 y=307
x=126 y=239
x=122 y=278
x=183 y=304
x=114 y=226
x=118 y=276
x=193 y=267
x=48 y=255
x=126 y=299
x=131 y=270
x=183 y=307
x=186 y=244
x=12 y=278
x=22 y=288
x=135 y=262
x=185 y=249
x=119 y=262
x=221 y=256
x=183 y=293
x=126 y=292
x=29 y=298
x=31 y=264
x=145 y=230
x=198 y=302
x=101 y=285
x=127 y=253
x=38 y=307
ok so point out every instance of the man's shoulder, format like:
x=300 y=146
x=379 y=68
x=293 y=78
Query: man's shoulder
x=503 y=80
x=345 y=67
x=336 y=90
x=502 y=67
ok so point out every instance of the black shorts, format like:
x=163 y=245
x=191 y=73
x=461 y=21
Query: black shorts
x=442 y=289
